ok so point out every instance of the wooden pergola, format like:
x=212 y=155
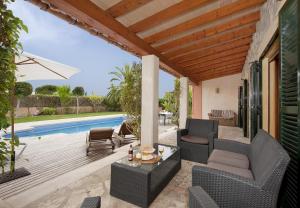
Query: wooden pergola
x=199 y=39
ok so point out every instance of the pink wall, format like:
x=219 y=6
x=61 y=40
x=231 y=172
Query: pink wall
x=197 y=101
x=205 y=97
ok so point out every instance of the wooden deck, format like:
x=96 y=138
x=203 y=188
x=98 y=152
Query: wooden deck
x=48 y=159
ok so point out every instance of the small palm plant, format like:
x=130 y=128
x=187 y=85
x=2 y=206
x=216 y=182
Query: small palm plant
x=3 y=154
x=128 y=84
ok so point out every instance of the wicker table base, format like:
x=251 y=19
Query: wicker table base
x=140 y=184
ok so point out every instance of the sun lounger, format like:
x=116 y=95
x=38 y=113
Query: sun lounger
x=99 y=138
x=125 y=134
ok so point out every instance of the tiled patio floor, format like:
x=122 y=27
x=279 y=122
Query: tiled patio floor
x=98 y=181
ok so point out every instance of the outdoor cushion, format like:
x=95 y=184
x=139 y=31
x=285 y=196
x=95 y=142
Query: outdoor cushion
x=194 y=139
x=216 y=113
x=266 y=147
x=227 y=114
x=229 y=158
x=227 y=168
x=199 y=127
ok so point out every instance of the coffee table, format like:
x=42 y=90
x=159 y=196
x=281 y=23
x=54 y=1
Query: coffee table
x=139 y=183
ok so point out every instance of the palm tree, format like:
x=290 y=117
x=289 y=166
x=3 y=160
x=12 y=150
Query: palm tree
x=126 y=84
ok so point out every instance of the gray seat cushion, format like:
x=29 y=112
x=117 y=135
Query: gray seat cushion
x=229 y=158
x=230 y=169
x=194 y=139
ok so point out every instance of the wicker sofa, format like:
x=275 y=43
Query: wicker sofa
x=243 y=175
x=196 y=141
x=225 y=117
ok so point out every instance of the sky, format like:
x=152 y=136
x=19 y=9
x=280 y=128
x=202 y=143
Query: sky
x=57 y=40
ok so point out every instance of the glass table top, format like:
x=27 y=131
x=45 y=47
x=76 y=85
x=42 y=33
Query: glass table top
x=168 y=151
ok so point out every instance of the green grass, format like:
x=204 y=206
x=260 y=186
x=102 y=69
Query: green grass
x=54 y=117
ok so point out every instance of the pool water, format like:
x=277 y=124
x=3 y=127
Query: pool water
x=69 y=127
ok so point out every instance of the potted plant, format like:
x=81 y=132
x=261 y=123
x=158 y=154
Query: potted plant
x=10 y=47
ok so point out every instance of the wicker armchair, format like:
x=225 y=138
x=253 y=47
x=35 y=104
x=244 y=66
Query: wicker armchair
x=230 y=186
x=198 y=198
x=225 y=117
x=196 y=141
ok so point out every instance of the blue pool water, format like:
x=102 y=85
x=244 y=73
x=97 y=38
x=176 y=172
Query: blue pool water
x=69 y=127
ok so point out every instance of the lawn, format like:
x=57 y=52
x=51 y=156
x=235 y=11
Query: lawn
x=54 y=117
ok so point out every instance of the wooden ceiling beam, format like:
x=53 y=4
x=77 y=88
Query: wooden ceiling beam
x=95 y=19
x=208 y=17
x=219 y=61
x=168 y=13
x=232 y=63
x=215 y=40
x=228 y=66
x=126 y=6
x=218 y=75
x=229 y=54
x=227 y=46
x=220 y=70
x=232 y=24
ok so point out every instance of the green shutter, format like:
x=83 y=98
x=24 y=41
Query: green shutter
x=290 y=96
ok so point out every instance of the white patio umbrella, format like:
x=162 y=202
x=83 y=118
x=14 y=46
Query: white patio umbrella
x=32 y=67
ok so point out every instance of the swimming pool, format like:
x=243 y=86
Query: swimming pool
x=68 y=127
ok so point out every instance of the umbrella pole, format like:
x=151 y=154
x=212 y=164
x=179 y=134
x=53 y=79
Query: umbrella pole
x=12 y=142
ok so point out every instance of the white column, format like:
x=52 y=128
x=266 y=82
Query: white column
x=149 y=124
x=183 y=101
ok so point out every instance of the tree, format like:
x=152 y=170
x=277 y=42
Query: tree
x=112 y=99
x=78 y=91
x=171 y=102
x=64 y=93
x=46 y=90
x=160 y=103
x=129 y=86
x=22 y=89
x=95 y=100
x=190 y=100
x=10 y=47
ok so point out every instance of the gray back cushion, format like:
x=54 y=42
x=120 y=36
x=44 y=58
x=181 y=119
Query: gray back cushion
x=216 y=128
x=200 y=127
x=264 y=156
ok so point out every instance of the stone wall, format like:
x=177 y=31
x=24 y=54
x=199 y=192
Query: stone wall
x=265 y=30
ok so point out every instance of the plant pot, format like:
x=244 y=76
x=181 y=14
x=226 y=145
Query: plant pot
x=19 y=173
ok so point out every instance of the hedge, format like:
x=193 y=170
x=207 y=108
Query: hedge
x=53 y=101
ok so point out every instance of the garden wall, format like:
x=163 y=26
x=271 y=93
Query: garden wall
x=34 y=104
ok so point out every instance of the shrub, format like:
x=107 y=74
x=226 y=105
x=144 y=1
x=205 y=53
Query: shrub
x=23 y=89
x=95 y=101
x=78 y=91
x=64 y=93
x=48 y=111
x=46 y=90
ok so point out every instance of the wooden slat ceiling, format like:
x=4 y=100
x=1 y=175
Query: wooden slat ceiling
x=201 y=39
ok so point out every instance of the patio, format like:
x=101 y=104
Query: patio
x=219 y=49
x=94 y=178
x=54 y=155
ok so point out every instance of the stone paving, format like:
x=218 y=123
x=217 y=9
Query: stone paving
x=69 y=190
